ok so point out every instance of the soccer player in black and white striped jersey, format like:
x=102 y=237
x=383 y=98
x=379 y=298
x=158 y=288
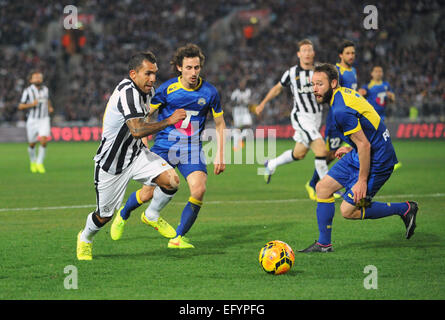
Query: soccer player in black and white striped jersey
x=35 y=100
x=306 y=113
x=122 y=156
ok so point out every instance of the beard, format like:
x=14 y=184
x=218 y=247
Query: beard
x=327 y=96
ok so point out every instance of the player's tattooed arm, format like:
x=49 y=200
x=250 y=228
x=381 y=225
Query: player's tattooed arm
x=140 y=127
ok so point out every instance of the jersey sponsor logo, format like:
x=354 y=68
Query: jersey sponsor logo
x=202 y=101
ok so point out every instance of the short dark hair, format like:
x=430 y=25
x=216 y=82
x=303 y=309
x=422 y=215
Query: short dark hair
x=329 y=69
x=137 y=59
x=344 y=44
x=190 y=50
x=304 y=42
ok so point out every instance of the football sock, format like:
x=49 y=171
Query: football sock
x=133 y=202
x=32 y=154
x=325 y=215
x=92 y=226
x=321 y=166
x=188 y=216
x=286 y=157
x=161 y=197
x=41 y=155
x=314 y=180
x=377 y=210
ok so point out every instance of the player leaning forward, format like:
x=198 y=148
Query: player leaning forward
x=362 y=169
x=122 y=156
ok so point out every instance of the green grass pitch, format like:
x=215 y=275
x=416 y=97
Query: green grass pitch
x=40 y=216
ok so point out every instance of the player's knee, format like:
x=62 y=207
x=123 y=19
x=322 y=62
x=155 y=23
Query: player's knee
x=348 y=211
x=298 y=155
x=146 y=194
x=198 y=191
x=322 y=190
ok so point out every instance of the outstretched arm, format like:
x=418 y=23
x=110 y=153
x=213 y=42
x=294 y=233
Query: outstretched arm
x=275 y=91
x=139 y=127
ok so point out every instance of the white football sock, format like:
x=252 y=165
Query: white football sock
x=321 y=166
x=158 y=202
x=236 y=137
x=41 y=155
x=90 y=229
x=285 y=157
x=32 y=154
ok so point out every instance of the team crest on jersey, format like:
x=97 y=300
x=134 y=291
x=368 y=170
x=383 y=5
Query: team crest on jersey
x=201 y=101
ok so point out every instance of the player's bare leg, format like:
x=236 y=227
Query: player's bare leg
x=297 y=153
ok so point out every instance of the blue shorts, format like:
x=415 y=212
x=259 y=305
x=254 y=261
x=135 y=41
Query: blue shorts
x=186 y=162
x=346 y=173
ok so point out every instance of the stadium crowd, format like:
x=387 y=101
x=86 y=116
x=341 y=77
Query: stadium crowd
x=240 y=39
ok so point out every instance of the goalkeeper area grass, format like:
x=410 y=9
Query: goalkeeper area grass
x=41 y=215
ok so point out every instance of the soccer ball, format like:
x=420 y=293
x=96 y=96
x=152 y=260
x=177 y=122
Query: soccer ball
x=276 y=257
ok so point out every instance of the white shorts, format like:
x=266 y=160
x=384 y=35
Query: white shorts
x=37 y=128
x=306 y=126
x=241 y=117
x=110 y=188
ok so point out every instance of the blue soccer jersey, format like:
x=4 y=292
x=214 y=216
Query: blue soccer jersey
x=376 y=95
x=181 y=144
x=351 y=113
x=347 y=77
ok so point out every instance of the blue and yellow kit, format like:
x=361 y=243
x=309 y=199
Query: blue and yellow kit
x=181 y=144
x=376 y=95
x=352 y=113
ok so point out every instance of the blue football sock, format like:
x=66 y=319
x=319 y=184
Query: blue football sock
x=314 y=180
x=377 y=210
x=189 y=215
x=132 y=203
x=325 y=215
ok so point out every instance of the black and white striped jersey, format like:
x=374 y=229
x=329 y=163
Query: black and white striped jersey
x=118 y=147
x=299 y=81
x=32 y=93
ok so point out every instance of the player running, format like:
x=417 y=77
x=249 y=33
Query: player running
x=305 y=116
x=122 y=156
x=35 y=100
x=347 y=79
x=181 y=145
x=362 y=169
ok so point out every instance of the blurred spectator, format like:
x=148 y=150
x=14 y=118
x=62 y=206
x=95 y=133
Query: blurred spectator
x=408 y=45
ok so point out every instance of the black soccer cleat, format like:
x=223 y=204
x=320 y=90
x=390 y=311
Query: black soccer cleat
x=410 y=219
x=316 y=247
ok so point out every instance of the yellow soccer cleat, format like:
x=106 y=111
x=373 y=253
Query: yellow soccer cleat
x=162 y=226
x=40 y=168
x=33 y=167
x=117 y=228
x=84 y=249
x=310 y=192
x=180 y=243
x=397 y=166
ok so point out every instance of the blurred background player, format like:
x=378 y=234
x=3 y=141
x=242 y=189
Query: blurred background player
x=333 y=138
x=181 y=144
x=305 y=116
x=122 y=156
x=379 y=93
x=35 y=100
x=242 y=119
x=363 y=168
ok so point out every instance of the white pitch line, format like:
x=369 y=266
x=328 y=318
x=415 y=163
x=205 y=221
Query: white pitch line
x=413 y=196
